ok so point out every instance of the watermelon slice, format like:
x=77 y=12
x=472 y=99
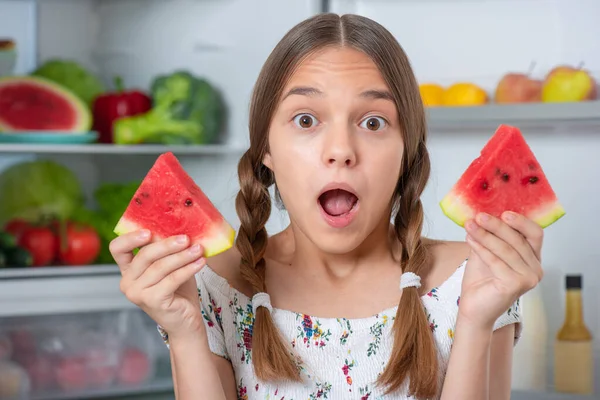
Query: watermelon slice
x=505 y=177
x=30 y=103
x=168 y=202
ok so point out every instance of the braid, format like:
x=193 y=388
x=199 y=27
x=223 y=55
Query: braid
x=271 y=358
x=414 y=355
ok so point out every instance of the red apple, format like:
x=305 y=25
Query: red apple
x=517 y=87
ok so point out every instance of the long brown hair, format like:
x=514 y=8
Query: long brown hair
x=414 y=355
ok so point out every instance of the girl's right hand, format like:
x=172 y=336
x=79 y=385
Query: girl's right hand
x=160 y=279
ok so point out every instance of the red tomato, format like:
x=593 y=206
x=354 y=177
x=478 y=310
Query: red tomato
x=70 y=374
x=134 y=368
x=16 y=226
x=41 y=243
x=81 y=245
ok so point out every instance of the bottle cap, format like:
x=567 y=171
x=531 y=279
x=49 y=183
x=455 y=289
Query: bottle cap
x=574 y=282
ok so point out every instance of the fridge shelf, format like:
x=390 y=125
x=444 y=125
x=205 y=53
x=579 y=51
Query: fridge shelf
x=545 y=116
x=117 y=150
x=61 y=290
x=59 y=271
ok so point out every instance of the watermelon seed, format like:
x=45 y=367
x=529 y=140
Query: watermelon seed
x=484 y=185
x=138 y=201
x=533 y=179
x=145 y=195
x=188 y=202
x=531 y=166
x=505 y=177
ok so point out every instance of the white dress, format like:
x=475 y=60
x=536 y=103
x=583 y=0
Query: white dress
x=341 y=358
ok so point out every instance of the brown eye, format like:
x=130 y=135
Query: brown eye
x=305 y=121
x=374 y=123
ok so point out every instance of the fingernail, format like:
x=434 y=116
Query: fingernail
x=181 y=239
x=201 y=262
x=483 y=217
x=144 y=234
x=195 y=249
x=471 y=226
x=508 y=216
x=469 y=238
x=197 y=266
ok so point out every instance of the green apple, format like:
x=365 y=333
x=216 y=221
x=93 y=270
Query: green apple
x=567 y=84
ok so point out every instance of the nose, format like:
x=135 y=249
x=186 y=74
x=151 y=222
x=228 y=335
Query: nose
x=339 y=149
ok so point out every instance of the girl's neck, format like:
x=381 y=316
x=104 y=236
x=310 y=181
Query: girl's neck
x=378 y=249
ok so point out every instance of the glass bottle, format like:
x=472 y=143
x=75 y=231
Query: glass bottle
x=573 y=348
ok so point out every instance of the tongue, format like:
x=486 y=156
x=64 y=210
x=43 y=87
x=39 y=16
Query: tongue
x=337 y=202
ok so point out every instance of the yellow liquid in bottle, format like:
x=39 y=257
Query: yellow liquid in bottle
x=573 y=350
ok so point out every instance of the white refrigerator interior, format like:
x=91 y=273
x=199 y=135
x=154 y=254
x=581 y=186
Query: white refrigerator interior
x=227 y=41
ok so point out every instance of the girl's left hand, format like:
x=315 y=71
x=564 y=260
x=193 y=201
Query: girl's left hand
x=504 y=264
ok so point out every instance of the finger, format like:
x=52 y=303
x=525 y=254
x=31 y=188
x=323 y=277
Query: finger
x=154 y=252
x=165 y=266
x=533 y=233
x=121 y=248
x=500 y=248
x=514 y=238
x=497 y=267
x=167 y=286
x=511 y=279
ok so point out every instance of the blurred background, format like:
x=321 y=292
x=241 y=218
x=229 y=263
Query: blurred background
x=135 y=78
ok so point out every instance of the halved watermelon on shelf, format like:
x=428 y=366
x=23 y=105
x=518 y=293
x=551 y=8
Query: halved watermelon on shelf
x=29 y=103
x=505 y=177
x=168 y=202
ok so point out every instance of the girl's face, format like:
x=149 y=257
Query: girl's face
x=336 y=149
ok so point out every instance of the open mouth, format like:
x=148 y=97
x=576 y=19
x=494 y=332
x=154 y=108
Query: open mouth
x=338 y=206
x=337 y=202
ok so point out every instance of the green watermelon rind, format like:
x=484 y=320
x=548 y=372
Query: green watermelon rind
x=216 y=241
x=84 y=115
x=459 y=212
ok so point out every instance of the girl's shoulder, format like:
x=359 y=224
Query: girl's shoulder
x=226 y=265
x=446 y=256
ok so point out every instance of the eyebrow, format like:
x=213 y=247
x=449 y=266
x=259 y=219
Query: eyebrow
x=314 y=92
x=304 y=91
x=378 y=94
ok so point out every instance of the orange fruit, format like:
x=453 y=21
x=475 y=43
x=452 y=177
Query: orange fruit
x=432 y=94
x=465 y=94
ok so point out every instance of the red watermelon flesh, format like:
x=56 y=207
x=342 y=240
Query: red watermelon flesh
x=168 y=203
x=37 y=104
x=505 y=177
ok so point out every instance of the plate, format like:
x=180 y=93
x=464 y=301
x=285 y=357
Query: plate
x=49 y=137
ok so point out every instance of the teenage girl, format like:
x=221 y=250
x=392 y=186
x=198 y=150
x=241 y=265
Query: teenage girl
x=350 y=301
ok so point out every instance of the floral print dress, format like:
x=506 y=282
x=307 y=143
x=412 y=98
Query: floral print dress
x=339 y=358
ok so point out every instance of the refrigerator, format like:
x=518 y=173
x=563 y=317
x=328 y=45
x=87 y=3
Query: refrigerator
x=71 y=332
